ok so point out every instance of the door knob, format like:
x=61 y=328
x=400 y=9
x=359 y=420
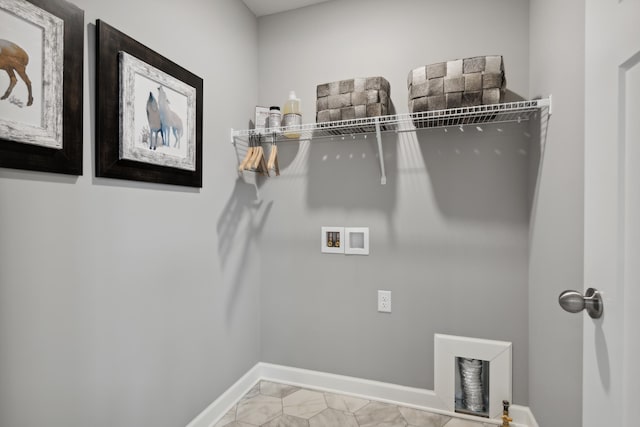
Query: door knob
x=574 y=302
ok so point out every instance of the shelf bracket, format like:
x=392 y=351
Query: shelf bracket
x=383 y=175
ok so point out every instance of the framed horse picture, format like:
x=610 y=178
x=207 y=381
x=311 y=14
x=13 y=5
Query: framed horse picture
x=148 y=115
x=41 y=67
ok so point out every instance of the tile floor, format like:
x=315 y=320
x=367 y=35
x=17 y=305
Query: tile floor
x=270 y=404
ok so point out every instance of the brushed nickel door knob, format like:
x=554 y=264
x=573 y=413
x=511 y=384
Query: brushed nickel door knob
x=575 y=302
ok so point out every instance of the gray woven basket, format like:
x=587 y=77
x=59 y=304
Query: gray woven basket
x=352 y=99
x=459 y=83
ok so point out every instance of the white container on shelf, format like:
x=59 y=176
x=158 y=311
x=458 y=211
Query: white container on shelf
x=275 y=119
x=292 y=116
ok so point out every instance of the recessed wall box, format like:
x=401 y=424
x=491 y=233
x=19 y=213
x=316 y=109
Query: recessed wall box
x=356 y=240
x=448 y=349
x=332 y=240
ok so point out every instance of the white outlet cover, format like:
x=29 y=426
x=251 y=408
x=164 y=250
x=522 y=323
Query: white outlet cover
x=356 y=240
x=328 y=238
x=384 y=301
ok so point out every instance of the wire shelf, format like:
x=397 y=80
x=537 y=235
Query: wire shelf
x=496 y=113
x=519 y=111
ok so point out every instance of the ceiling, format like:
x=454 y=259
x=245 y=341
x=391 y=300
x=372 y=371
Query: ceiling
x=269 y=7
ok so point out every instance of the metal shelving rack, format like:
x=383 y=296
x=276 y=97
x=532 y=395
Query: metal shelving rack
x=509 y=112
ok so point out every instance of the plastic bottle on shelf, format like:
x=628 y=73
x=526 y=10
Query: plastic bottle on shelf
x=292 y=116
x=275 y=119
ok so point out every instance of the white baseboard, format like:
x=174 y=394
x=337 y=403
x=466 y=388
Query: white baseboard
x=372 y=390
x=358 y=387
x=225 y=402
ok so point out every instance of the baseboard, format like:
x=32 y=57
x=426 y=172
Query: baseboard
x=230 y=397
x=369 y=389
x=358 y=387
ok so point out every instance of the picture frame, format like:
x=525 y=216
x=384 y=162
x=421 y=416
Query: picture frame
x=148 y=113
x=41 y=124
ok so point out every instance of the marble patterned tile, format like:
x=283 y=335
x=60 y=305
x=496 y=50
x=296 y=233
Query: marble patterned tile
x=229 y=417
x=304 y=403
x=380 y=414
x=332 y=417
x=344 y=403
x=419 y=418
x=270 y=404
x=276 y=390
x=259 y=409
x=287 y=421
x=255 y=390
x=459 y=422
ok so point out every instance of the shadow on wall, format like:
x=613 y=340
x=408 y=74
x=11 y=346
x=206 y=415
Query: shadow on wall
x=539 y=127
x=479 y=173
x=240 y=223
x=345 y=173
x=482 y=173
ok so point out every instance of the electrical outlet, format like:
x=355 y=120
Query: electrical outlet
x=384 y=301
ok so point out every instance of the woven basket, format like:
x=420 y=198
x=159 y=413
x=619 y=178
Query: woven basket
x=459 y=83
x=352 y=99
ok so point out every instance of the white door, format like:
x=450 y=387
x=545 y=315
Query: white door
x=611 y=377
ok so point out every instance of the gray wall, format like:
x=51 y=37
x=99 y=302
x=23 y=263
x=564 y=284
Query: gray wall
x=556 y=241
x=130 y=304
x=449 y=231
